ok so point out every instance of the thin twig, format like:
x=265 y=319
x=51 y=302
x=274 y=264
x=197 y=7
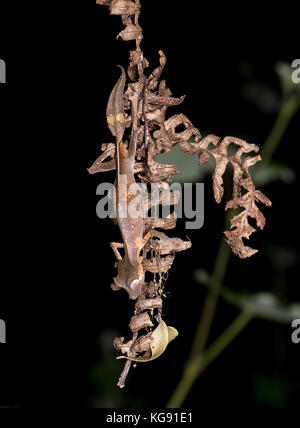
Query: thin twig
x=211 y=300
x=195 y=367
x=287 y=111
x=124 y=374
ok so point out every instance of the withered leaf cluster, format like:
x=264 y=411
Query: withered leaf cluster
x=137 y=118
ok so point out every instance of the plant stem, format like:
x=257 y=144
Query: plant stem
x=211 y=300
x=196 y=366
x=287 y=110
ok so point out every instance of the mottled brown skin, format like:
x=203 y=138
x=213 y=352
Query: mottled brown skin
x=130 y=270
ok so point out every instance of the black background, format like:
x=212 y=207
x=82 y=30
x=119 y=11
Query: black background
x=57 y=263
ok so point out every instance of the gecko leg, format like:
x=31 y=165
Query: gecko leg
x=115 y=246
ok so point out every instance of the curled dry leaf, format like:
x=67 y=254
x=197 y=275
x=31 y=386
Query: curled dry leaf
x=240 y=228
x=104 y=2
x=158 y=265
x=142 y=344
x=161 y=223
x=119 y=344
x=160 y=339
x=140 y=321
x=131 y=32
x=165 y=245
x=150 y=289
x=123 y=7
x=144 y=304
x=242 y=182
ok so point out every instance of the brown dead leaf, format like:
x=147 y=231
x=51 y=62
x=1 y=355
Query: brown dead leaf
x=123 y=7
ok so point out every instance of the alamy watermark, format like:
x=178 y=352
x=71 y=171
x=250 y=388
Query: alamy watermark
x=296 y=72
x=2 y=331
x=138 y=200
x=296 y=332
x=2 y=71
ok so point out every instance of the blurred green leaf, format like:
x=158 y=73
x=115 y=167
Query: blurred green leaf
x=272 y=172
x=266 y=306
x=190 y=171
x=263 y=305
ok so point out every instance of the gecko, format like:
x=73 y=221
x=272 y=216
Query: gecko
x=130 y=269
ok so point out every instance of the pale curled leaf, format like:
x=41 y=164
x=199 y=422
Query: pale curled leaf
x=161 y=337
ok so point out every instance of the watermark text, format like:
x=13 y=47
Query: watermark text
x=296 y=332
x=2 y=71
x=2 y=332
x=296 y=72
x=155 y=201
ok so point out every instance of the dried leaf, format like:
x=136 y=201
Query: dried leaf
x=121 y=346
x=131 y=32
x=161 y=223
x=104 y=2
x=142 y=344
x=165 y=245
x=140 y=321
x=160 y=265
x=135 y=59
x=240 y=228
x=123 y=7
x=150 y=290
x=144 y=304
